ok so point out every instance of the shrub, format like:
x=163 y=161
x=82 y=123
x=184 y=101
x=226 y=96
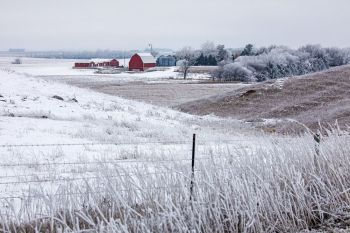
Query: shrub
x=278 y=62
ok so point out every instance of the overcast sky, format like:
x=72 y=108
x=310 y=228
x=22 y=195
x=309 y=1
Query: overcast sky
x=132 y=24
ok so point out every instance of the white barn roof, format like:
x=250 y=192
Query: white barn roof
x=147 y=58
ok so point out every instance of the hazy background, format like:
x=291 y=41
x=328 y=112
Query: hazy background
x=114 y=24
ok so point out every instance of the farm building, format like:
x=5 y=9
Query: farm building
x=166 y=61
x=85 y=65
x=142 y=62
x=114 y=63
x=82 y=65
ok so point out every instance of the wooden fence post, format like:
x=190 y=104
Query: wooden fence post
x=317 y=138
x=193 y=158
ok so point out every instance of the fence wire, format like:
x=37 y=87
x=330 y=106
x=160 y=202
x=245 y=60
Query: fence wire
x=121 y=143
x=44 y=177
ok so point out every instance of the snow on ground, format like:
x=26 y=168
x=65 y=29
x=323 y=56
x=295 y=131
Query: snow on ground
x=39 y=66
x=156 y=75
x=27 y=97
x=61 y=69
x=40 y=111
x=43 y=67
x=37 y=111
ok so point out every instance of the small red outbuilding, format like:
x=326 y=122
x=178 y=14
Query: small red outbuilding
x=114 y=63
x=142 y=62
x=81 y=65
x=84 y=65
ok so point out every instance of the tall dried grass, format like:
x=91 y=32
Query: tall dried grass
x=283 y=186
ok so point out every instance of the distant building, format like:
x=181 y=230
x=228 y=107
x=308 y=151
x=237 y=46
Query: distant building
x=92 y=64
x=17 y=61
x=166 y=61
x=142 y=62
x=82 y=65
x=114 y=63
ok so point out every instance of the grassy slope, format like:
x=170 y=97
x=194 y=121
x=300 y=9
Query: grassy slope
x=308 y=99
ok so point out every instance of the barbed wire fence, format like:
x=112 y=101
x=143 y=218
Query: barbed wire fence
x=70 y=176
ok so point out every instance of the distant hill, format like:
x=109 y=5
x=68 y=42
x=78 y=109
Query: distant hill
x=283 y=105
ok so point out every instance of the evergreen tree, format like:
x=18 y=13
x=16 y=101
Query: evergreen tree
x=212 y=61
x=248 y=50
x=205 y=61
x=222 y=54
x=200 y=60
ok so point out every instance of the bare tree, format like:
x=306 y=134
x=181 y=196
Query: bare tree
x=208 y=48
x=187 y=54
x=154 y=53
x=185 y=67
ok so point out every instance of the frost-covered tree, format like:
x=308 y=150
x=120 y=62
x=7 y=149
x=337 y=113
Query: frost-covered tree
x=217 y=73
x=346 y=54
x=248 y=50
x=188 y=58
x=236 y=72
x=222 y=53
x=185 y=67
x=336 y=56
x=155 y=53
x=208 y=48
x=185 y=53
x=279 y=61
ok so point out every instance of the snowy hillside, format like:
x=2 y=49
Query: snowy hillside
x=35 y=111
x=31 y=99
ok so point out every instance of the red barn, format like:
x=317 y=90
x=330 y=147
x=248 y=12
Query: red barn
x=114 y=63
x=142 y=62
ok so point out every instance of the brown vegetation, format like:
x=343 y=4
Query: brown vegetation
x=292 y=102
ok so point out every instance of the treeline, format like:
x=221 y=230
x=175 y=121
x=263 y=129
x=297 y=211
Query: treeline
x=208 y=55
x=260 y=64
x=206 y=60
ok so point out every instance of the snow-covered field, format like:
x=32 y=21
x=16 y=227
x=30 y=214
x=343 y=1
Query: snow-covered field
x=61 y=69
x=37 y=111
x=39 y=66
x=73 y=159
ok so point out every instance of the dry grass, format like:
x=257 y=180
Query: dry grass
x=163 y=94
x=283 y=186
x=321 y=97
